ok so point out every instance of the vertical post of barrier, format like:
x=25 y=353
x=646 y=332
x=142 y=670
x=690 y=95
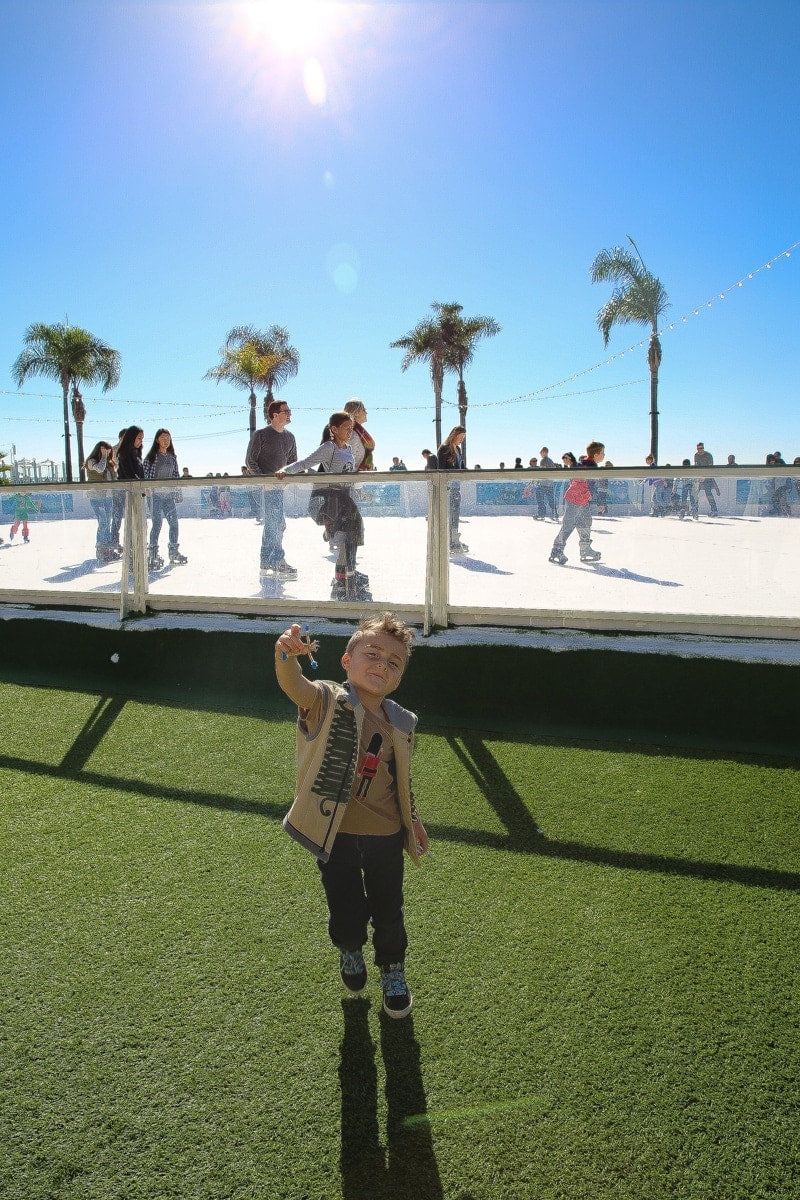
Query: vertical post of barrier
x=125 y=562
x=441 y=566
x=431 y=559
x=134 y=553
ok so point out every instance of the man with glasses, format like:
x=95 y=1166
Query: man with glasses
x=271 y=449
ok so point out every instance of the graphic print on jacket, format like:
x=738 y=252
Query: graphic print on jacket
x=332 y=784
x=368 y=767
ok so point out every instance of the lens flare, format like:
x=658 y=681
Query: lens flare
x=314 y=82
x=343 y=265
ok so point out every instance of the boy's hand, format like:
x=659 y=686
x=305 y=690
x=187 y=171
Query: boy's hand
x=290 y=643
x=421 y=835
x=291 y=679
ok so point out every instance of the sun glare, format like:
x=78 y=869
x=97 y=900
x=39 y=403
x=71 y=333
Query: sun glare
x=294 y=26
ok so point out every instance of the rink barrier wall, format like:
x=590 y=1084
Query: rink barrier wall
x=742 y=490
x=598 y=692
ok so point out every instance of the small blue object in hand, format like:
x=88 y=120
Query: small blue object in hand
x=310 y=648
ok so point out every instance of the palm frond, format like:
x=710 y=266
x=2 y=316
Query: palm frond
x=68 y=354
x=639 y=297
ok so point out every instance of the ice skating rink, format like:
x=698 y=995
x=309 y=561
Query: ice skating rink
x=745 y=566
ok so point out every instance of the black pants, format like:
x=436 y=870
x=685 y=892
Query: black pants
x=363 y=881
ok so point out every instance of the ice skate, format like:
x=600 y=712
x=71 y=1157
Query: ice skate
x=154 y=560
x=176 y=559
x=357 y=585
x=558 y=556
x=590 y=555
x=350 y=585
x=282 y=570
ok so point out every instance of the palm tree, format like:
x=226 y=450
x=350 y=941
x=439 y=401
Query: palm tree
x=465 y=332
x=446 y=342
x=244 y=367
x=640 y=299
x=273 y=343
x=71 y=356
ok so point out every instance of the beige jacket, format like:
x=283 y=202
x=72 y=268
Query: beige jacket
x=326 y=763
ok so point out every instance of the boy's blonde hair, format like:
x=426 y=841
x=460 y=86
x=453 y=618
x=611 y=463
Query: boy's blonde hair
x=386 y=623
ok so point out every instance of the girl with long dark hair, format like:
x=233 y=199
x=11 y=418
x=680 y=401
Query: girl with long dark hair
x=161 y=462
x=101 y=467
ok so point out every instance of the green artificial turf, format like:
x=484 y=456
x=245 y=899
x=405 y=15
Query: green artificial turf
x=608 y=1010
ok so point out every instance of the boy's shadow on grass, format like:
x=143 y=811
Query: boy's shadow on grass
x=405 y=1168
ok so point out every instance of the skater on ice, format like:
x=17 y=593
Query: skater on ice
x=332 y=505
x=270 y=450
x=161 y=462
x=577 y=510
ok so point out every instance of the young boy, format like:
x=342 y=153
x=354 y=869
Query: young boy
x=577 y=510
x=354 y=808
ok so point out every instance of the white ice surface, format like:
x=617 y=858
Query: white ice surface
x=739 y=566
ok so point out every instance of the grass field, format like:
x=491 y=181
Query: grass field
x=608 y=1010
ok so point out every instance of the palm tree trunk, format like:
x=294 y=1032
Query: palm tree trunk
x=67 y=440
x=654 y=362
x=437 y=375
x=252 y=413
x=79 y=413
x=654 y=414
x=462 y=413
x=437 y=398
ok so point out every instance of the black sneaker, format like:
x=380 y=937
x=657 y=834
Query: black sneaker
x=397 y=999
x=353 y=970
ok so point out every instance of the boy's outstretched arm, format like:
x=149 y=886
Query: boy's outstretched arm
x=301 y=691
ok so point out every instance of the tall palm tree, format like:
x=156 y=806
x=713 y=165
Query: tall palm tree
x=639 y=299
x=71 y=356
x=464 y=332
x=244 y=367
x=272 y=343
x=446 y=342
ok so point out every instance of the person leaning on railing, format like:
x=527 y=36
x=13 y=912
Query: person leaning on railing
x=101 y=467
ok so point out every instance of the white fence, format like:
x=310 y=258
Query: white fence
x=736 y=573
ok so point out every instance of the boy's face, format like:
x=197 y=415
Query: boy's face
x=375 y=665
x=599 y=455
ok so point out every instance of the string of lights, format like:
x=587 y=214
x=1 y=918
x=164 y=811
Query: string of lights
x=695 y=312
x=223 y=409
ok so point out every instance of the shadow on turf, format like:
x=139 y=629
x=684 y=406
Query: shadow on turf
x=523 y=835
x=406 y=1166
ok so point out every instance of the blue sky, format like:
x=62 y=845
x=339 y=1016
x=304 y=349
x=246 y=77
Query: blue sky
x=172 y=170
